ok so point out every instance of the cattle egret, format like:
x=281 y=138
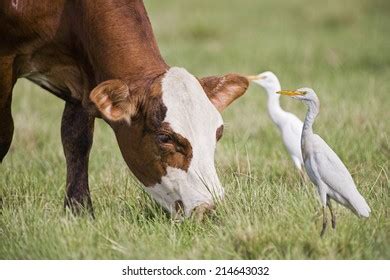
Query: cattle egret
x=289 y=125
x=324 y=167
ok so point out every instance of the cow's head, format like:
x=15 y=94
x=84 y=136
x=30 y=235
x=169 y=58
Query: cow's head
x=167 y=132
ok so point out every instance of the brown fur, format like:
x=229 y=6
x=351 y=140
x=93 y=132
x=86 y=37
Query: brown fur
x=77 y=134
x=112 y=98
x=223 y=90
x=72 y=47
x=145 y=155
x=7 y=81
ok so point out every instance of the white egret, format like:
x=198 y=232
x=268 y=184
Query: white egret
x=290 y=126
x=324 y=167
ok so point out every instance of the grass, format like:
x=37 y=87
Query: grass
x=340 y=48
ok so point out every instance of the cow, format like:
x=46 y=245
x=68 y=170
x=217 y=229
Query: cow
x=102 y=59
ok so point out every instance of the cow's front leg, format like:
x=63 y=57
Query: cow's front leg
x=77 y=134
x=7 y=81
x=6 y=127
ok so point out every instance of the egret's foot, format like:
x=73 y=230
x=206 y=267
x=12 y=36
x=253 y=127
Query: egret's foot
x=324 y=222
x=323 y=230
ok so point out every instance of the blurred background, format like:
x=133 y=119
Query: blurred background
x=339 y=48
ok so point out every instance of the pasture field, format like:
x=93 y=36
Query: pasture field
x=340 y=48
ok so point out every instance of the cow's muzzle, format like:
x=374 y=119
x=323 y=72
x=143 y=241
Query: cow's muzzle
x=201 y=211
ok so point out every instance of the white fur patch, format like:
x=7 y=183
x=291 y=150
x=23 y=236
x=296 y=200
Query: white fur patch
x=191 y=114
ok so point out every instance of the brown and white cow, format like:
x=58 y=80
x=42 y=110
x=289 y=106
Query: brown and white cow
x=102 y=59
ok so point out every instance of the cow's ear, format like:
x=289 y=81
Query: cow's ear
x=223 y=90
x=112 y=98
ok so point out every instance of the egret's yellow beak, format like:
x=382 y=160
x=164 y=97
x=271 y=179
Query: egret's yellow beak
x=254 y=77
x=290 y=92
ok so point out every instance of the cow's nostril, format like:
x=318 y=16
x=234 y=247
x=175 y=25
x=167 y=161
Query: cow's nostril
x=179 y=206
x=201 y=211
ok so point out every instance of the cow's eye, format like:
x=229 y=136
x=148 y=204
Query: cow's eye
x=164 y=138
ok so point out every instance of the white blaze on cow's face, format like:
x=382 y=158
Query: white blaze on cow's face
x=191 y=115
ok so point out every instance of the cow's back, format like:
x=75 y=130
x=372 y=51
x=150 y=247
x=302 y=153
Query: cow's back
x=27 y=23
x=68 y=46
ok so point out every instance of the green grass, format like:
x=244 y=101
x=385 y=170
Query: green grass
x=340 y=48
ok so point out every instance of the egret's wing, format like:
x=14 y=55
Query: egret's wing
x=337 y=177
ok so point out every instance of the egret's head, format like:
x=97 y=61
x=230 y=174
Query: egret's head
x=267 y=80
x=305 y=94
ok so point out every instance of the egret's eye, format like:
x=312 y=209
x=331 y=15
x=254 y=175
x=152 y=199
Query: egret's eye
x=164 y=138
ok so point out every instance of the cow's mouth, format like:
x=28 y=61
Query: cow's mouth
x=201 y=211
x=198 y=214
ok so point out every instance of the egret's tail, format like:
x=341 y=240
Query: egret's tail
x=360 y=206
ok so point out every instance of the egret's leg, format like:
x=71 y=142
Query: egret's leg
x=332 y=214
x=302 y=173
x=324 y=221
x=297 y=163
x=322 y=191
x=300 y=168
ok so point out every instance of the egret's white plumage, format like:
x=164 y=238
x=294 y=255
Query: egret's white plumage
x=289 y=125
x=323 y=166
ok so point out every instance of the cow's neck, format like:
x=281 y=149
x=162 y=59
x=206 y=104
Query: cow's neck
x=119 y=40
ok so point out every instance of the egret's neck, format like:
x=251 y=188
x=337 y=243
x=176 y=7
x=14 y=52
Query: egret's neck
x=273 y=104
x=314 y=108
